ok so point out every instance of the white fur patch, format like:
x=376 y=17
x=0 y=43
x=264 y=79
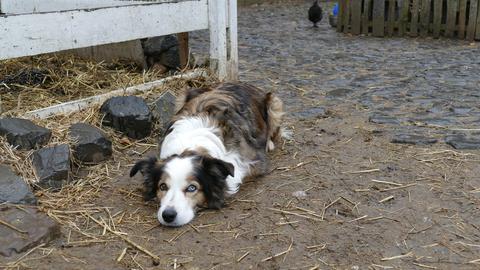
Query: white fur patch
x=177 y=169
x=190 y=133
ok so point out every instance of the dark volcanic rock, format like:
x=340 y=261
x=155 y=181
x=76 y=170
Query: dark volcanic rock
x=164 y=108
x=129 y=115
x=412 y=139
x=34 y=228
x=24 y=133
x=316 y=112
x=52 y=166
x=461 y=141
x=13 y=188
x=162 y=50
x=383 y=119
x=90 y=143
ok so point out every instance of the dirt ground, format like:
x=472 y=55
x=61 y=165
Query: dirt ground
x=340 y=195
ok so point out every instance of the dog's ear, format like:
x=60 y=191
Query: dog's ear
x=152 y=171
x=213 y=180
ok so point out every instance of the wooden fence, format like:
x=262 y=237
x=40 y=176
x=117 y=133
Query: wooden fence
x=449 y=18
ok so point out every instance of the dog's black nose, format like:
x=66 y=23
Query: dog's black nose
x=169 y=215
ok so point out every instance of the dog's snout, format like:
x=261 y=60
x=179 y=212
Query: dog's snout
x=169 y=215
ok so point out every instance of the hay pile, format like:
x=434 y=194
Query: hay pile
x=40 y=81
x=75 y=206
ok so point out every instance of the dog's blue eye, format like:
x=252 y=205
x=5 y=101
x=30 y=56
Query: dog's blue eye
x=163 y=187
x=191 y=188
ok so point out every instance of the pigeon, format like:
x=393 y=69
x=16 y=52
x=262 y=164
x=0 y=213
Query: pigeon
x=315 y=13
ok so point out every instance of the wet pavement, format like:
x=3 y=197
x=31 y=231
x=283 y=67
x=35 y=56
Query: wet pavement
x=420 y=86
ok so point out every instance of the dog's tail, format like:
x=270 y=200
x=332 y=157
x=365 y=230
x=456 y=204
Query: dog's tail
x=274 y=107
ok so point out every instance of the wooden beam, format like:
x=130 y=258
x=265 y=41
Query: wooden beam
x=462 y=11
x=379 y=18
x=24 y=35
x=217 y=24
x=81 y=104
x=472 y=21
x=183 y=49
x=437 y=17
x=233 y=40
x=41 y=6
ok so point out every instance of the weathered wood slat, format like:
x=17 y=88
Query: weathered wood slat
x=217 y=24
x=403 y=20
x=24 y=35
x=472 y=21
x=41 y=6
x=437 y=17
x=356 y=11
x=233 y=40
x=183 y=49
x=425 y=18
x=366 y=16
x=451 y=17
x=346 y=16
x=379 y=18
x=341 y=11
x=391 y=17
x=414 y=20
x=462 y=10
x=477 y=31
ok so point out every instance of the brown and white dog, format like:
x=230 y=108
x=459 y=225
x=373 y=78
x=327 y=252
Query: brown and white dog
x=219 y=136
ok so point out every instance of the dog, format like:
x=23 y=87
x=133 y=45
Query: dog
x=219 y=136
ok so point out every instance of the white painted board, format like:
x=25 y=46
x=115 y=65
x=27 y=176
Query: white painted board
x=31 y=34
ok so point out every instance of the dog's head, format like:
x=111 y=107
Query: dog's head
x=182 y=183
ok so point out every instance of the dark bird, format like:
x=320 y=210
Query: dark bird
x=315 y=13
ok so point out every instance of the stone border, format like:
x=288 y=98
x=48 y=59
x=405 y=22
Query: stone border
x=81 y=104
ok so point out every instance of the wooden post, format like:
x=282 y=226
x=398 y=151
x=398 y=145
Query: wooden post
x=183 y=49
x=217 y=24
x=347 y=10
x=356 y=11
x=477 y=31
x=451 y=17
x=391 y=17
x=366 y=16
x=403 y=20
x=462 y=10
x=437 y=17
x=472 y=21
x=378 y=18
x=425 y=18
x=233 y=40
x=414 y=22
x=341 y=10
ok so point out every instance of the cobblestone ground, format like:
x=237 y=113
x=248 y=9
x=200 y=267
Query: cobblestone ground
x=376 y=121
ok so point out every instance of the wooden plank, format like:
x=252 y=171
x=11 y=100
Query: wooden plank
x=25 y=35
x=403 y=20
x=347 y=26
x=84 y=103
x=437 y=17
x=366 y=16
x=183 y=50
x=341 y=10
x=391 y=17
x=462 y=10
x=356 y=12
x=41 y=6
x=414 y=21
x=379 y=18
x=451 y=17
x=233 y=40
x=217 y=24
x=425 y=18
x=477 y=30
x=472 y=21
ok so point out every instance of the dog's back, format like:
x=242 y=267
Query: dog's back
x=249 y=118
